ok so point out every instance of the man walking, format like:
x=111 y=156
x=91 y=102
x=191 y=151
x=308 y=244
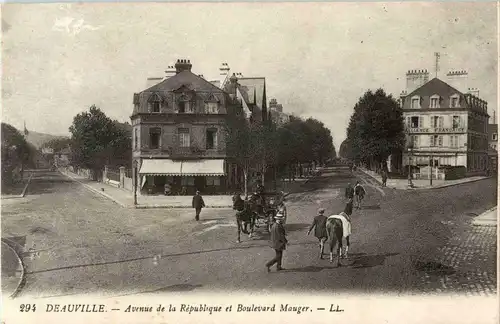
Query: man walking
x=198 y=204
x=278 y=242
x=349 y=192
x=319 y=225
x=348 y=207
x=359 y=192
x=384 y=178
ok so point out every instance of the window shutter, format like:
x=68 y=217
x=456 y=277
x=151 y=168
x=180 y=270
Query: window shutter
x=440 y=140
x=441 y=119
x=408 y=121
x=420 y=122
x=432 y=140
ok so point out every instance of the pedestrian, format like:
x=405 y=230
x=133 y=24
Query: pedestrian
x=319 y=226
x=359 y=192
x=348 y=207
x=198 y=204
x=278 y=242
x=384 y=178
x=349 y=191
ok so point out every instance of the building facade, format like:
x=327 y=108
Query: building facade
x=178 y=136
x=445 y=126
x=493 y=147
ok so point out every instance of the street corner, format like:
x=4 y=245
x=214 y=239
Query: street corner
x=488 y=218
x=12 y=270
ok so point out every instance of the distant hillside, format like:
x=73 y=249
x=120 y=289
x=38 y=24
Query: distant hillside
x=38 y=139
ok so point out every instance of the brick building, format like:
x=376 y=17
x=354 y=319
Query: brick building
x=178 y=134
x=446 y=124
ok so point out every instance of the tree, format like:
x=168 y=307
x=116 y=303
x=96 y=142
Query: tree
x=58 y=144
x=15 y=153
x=376 y=128
x=96 y=141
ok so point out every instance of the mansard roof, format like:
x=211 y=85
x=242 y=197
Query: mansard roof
x=187 y=79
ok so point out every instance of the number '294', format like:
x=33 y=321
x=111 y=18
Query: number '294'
x=27 y=307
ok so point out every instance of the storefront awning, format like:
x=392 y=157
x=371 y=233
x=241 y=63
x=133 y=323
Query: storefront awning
x=203 y=168
x=160 y=167
x=182 y=168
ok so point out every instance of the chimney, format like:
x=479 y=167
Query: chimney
x=153 y=81
x=201 y=76
x=473 y=91
x=182 y=65
x=170 y=72
x=273 y=103
x=224 y=73
x=415 y=79
x=458 y=80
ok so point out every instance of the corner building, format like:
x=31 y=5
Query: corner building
x=446 y=127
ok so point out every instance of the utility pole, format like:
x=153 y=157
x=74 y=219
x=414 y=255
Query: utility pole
x=135 y=182
x=436 y=66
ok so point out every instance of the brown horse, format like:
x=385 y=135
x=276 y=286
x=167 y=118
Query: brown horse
x=246 y=217
x=334 y=230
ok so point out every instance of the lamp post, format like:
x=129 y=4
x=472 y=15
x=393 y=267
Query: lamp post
x=135 y=163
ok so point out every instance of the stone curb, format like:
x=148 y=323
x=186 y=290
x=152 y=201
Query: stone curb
x=179 y=207
x=21 y=265
x=426 y=187
x=478 y=222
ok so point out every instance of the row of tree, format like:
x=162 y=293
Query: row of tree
x=375 y=131
x=16 y=154
x=264 y=146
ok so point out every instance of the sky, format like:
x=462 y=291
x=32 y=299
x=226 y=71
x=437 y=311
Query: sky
x=318 y=58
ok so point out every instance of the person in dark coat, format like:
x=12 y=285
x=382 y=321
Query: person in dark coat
x=278 y=242
x=319 y=225
x=349 y=192
x=384 y=178
x=348 y=207
x=198 y=204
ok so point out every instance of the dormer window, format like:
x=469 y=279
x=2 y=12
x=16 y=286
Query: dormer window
x=211 y=105
x=435 y=101
x=154 y=103
x=455 y=101
x=185 y=105
x=415 y=102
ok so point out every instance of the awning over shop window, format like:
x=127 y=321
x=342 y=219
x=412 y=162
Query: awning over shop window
x=160 y=167
x=182 y=168
x=203 y=168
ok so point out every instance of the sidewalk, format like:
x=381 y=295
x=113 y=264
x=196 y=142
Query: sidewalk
x=125 y=198
x=12 y=271
x=402 y=184
x=488 y=218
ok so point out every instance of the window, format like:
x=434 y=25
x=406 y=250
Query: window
x=211 y=108
x=184 y=138
x=414 y=122
x=187 y=181
x=212 y=181
x=136 y=139
x=211 y=139
x=454 y=141
x=415 y=102
x=454 y=101
x=435 y=99
x=495 y=136
x=436 y=140
x=456 y=122
x=154 y=138
x=415 y=141
x=182 y=107
x=155 y=103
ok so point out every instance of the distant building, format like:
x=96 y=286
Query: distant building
x=276 y=113
x=446 y=124
x=493 y=147
x=178 y=134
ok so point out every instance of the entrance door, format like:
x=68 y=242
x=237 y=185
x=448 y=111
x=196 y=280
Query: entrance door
x=199 y=183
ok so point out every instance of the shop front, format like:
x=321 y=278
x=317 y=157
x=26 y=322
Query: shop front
x=176 y=177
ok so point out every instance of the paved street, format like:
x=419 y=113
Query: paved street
x=78 y=242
